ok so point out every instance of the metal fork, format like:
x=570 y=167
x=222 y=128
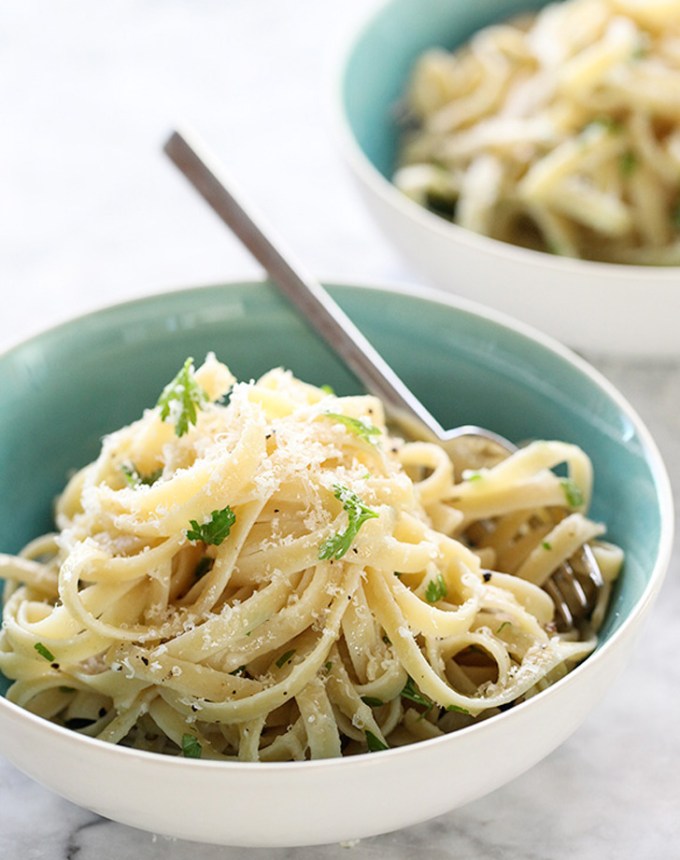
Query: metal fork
x=574 y=586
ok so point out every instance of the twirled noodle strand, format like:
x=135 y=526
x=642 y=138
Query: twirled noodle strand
x=285 y=580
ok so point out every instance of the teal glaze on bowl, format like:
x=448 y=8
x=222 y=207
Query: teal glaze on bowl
x=64 y=389
x=377 y=70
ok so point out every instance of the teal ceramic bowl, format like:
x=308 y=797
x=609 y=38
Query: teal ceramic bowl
x=65 y=388
x=561 y=296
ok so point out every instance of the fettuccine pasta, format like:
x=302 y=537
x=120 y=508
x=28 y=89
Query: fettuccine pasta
x=281 y=578
x=559 y=132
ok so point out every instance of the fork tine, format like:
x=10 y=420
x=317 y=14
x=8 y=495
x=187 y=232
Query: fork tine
x=587 y=570
x=574 y=587
x=573 y=602
x=572 y=590
x=564 y=620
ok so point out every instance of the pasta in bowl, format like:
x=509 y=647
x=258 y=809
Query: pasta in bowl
x=540 y=132
x=191 y=777
x=556 y=131
x=279 y=578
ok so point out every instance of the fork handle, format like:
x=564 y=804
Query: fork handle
x=301 y=288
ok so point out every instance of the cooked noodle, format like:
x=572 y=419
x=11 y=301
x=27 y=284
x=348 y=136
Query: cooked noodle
x=287 y=580
x=560 y=132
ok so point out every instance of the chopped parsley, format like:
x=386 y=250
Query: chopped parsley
x=503 y=626
x=181 y=399
x=572 y=493
x=457 y=709
x=357 y=512
x=372 y=702
x=44 y=652
x=675 y=216
x=191 y=748
x=327 y=389
x=374 y=743
x=413 y=694
x=546 y=545
x=328 y=666
x=133 y=478
x=608 y=123
x=443 y=206
x=131 y=475
x=205 y=565
x=285 y=658
x=473 y=476
x=436 y=589
x=641 y=50
x=628 y=162
x=354 y=425
x=216 y=530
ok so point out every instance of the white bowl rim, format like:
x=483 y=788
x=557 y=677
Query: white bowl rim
x=447 y=230
x=61 y=734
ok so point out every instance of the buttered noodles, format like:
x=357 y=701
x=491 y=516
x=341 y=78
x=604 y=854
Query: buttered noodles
x=281 y=578
x=559 y=132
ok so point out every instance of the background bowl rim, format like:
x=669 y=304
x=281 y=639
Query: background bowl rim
x=10 y=711
x=454 y=233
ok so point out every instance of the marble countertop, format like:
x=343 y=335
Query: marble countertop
x=92 y=214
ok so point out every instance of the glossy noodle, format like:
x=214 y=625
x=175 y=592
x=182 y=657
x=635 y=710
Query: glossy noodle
x=281 y=578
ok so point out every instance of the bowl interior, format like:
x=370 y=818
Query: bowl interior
x=379 y=65
x=66 y=388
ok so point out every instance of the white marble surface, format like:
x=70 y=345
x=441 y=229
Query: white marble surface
x=90 y=213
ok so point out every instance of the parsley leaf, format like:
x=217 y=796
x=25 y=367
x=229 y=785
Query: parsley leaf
x=354 y=425
x=675 y=216
x=608 y=123
x=181 y=399
x=546 y=545
x=191 y=748
x=628 y=162
x=327 y=389
x=413 y=694
x=374 y=743
x=133 y=478
x=205 y=565
x=572 y=493
x=641 y=49
x=372 y=702
x=131 y=475
x=215 y=530
x=357 y=513
x=44 y=652
x=457 y=709
x=436 y=589
x=284 y=658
